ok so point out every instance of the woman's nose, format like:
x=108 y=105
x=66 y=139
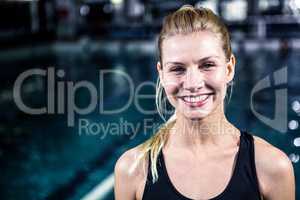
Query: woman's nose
x=193 y=80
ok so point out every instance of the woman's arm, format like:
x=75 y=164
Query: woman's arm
x=130 y=175
x=282 y=181
x=275 y=172
x=125 y=188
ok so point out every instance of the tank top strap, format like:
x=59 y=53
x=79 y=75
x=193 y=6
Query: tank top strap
x=150 y=187
x=148 y=178
x=247 y=150
x=247 y=160
x=158 y=166
x=245 y=140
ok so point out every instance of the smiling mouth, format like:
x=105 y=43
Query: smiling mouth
x=195 y=100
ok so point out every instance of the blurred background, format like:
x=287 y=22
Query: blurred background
x=42 y=156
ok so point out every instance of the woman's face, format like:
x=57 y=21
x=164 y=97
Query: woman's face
x=195 y=73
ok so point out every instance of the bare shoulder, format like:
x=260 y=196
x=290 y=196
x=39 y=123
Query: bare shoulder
x=128 y=163
x=274 y=169
x=270 y=158
x=129 y=172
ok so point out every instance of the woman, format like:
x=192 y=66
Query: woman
x=198 y=154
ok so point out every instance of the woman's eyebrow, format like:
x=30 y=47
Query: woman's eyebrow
x=200 y=60
x=207 y=58
x=176 y=63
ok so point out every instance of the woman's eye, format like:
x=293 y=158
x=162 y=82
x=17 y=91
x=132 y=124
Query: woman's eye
x=177 y=69
x=208 y=65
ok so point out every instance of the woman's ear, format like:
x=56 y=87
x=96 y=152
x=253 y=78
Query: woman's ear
x=230 y=68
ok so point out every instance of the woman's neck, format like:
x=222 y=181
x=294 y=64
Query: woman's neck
x=213 y=130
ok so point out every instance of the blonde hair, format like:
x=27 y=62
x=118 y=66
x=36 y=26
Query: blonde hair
x=185 y=20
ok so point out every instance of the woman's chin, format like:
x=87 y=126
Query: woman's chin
x=194 y=115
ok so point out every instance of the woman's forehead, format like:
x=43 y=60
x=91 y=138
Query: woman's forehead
x=196 y=46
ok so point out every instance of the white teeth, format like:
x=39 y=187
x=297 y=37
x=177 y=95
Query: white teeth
x=203 y=97
x=195 y=99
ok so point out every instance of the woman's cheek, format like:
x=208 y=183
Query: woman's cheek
x=170 y=85
x=218 y=82
x=171 y=89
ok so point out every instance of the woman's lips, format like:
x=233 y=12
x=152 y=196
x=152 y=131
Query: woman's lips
x=195 y=101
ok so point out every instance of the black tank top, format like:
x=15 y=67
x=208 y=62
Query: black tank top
x=243 y=184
